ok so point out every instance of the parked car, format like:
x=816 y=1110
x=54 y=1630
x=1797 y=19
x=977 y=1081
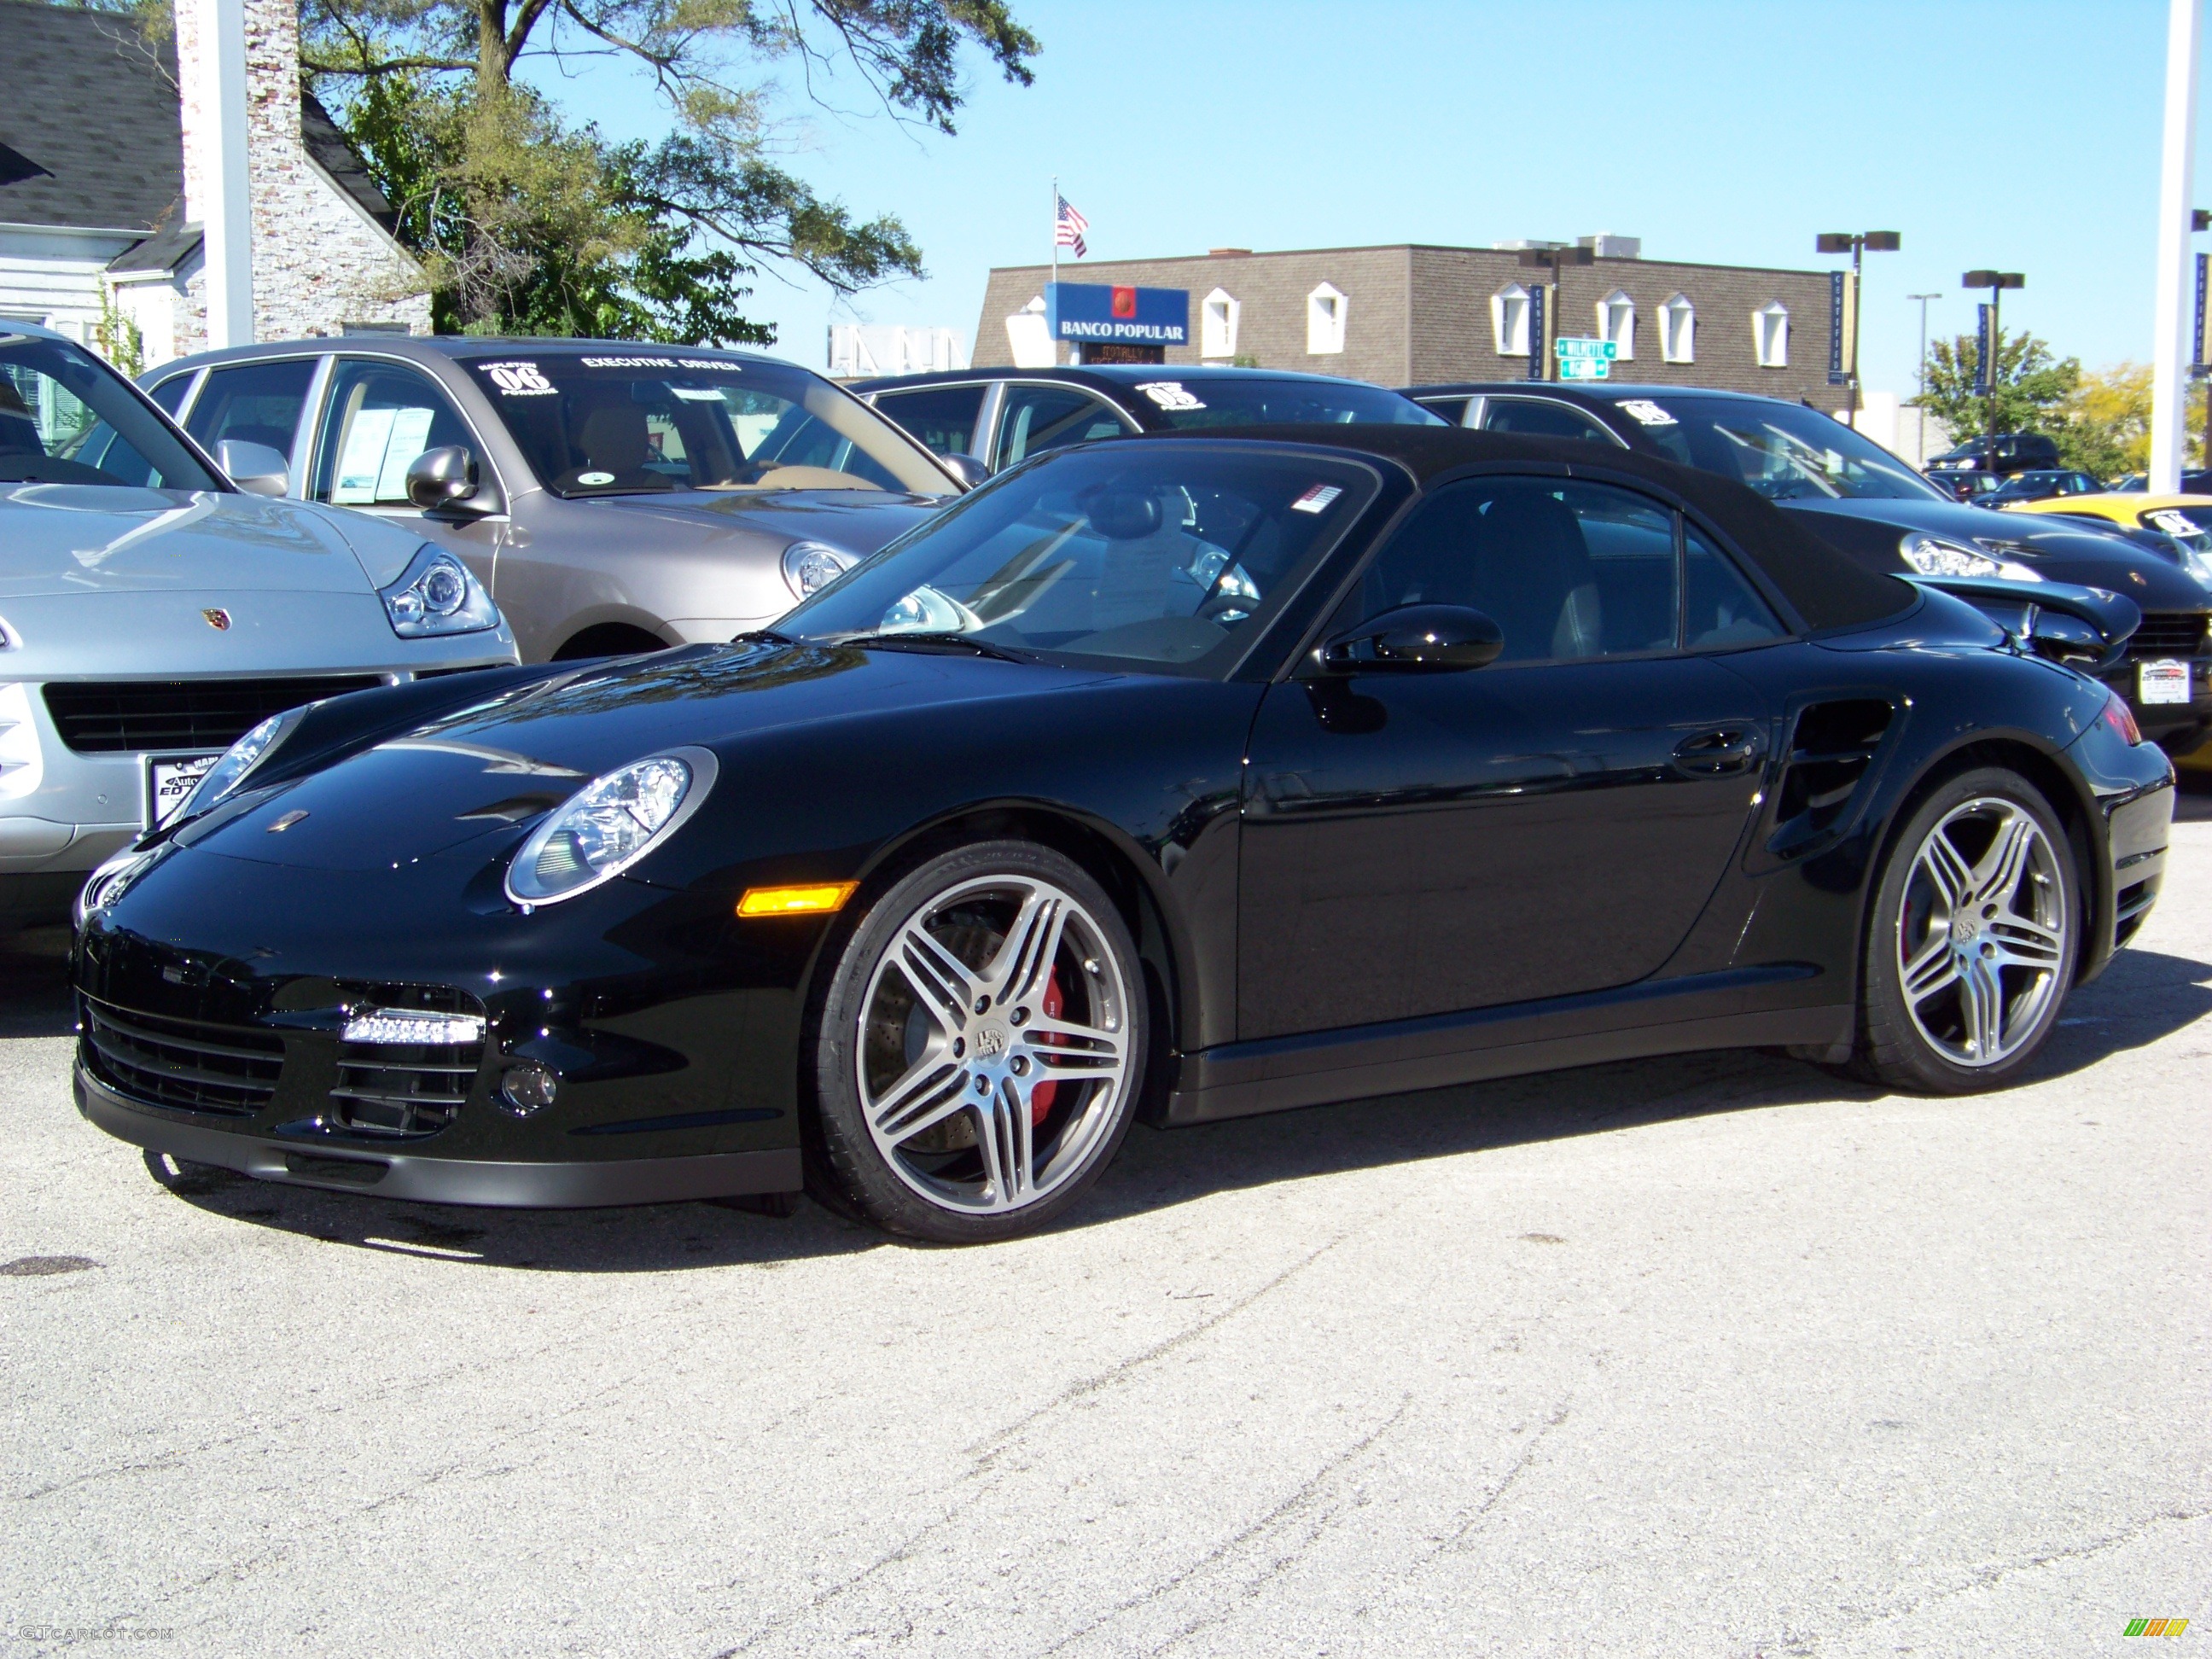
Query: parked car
x=613 y=497
x=2193 y=483
x=2006 y=454
x=1966 y=486
x=1205 y=777
x=2038 y=485
x=152 y=611
x=1871 y=505
x=1001 y=415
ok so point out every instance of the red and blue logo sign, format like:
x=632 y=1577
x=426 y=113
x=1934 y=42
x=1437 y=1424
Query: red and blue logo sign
x=1111 y=311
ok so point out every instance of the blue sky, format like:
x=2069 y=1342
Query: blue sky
x=2023 y=135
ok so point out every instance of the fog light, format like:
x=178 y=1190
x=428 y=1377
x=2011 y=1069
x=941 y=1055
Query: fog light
x=526 y=1087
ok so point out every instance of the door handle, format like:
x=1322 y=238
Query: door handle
x=1718 y=753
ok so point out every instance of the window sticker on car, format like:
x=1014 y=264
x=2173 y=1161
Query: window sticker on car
x=518 y=379
x=595 y=477
x=2173 y=523
x=1644 y=410
x=1170 y=394
x=373 y=456
x=697 y=394
x=1316 y=500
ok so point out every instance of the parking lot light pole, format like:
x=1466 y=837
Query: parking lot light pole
x=1858 y=244
x=1551 y=258
x=1920 y=388
x=1996 y=281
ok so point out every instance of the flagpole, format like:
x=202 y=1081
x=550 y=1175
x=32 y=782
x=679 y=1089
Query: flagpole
x=1055 y=252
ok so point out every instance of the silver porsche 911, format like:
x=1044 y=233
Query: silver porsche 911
x=615 y=497
x=153 y=613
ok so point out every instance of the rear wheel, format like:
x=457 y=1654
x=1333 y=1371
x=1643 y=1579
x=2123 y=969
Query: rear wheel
x=980 y=1047
x=1974 y=939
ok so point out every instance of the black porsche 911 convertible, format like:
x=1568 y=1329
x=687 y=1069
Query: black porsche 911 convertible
x=1175 y=778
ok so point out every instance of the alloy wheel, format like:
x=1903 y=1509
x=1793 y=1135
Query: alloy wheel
x=994 y=1044
x=1982 y=932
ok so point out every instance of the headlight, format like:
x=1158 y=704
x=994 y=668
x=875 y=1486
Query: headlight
x=241 y=757
x=437 y=594
x=811 y=565
x=108 y=882
x=608 y=825
x=1934 y=555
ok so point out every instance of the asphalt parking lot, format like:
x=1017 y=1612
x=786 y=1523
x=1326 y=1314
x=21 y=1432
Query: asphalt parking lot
x=1713 y=1356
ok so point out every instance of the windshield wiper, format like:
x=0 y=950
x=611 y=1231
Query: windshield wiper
x=927 y=641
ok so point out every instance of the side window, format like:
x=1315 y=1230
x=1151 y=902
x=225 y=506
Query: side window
x=1718 y=607
x=1539 y=419
x=254 y=403
x=1453 y=409
x=1036 y=418
x=379 y=417
x=941 y=418
x=170 y=394
x=1568 y=571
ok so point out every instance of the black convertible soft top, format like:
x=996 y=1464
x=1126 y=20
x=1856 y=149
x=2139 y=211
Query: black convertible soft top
x=1825 y=587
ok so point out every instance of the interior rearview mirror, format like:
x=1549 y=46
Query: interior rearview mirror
x=1417 y=639
x=254 y=468
x=444 y=478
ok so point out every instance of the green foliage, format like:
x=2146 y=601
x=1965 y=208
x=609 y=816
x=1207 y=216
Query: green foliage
x=529 y=225
x=2032 y=387
x=117 y=337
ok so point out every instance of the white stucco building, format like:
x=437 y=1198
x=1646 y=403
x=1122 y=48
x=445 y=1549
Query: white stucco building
x=102 y=171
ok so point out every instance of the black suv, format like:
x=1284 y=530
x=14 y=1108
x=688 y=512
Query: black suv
x=1863 y=500
x=2005 y=454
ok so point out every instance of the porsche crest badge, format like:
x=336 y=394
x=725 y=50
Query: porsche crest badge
x=217 y=619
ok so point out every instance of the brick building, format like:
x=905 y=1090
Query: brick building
x=1409 y=314
x=102 y=179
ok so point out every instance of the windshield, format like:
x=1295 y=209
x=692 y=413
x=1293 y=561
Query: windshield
x=1784 y=453
x=1256 y=401
x=1163 y=557
x=606 y=425
x=66 y=417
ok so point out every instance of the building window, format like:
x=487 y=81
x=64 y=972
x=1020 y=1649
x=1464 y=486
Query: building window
x=1616 y=321
x=1509 y=320
x=1678 y=331
x=1770 y=335
x=1325 y=308
x=1216 y=326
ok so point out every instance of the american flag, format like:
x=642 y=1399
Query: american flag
x=1068 y=227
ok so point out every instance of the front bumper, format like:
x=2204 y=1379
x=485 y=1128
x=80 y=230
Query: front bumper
x=573 y=1185
x=2178 y=727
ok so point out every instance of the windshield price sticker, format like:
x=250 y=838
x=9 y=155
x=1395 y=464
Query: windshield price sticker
x=1170 y=394
x=1316 y=500
x=2172 y=522
x=2164 y=681
x=1644 y=410
x=518 y=379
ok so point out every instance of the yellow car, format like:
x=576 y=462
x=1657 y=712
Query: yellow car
x=2182 y=523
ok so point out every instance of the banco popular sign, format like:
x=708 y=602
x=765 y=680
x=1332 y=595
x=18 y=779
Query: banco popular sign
x=1132 y=316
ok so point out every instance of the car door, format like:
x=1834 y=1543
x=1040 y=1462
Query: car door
x=1420 y=843
x=1035 y=416
x=377 y=415
x=257 y=403
x=945 y=419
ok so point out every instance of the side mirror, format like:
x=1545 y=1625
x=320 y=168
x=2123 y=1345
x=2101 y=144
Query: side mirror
x=254 y=468
x=1417 y=639
x=967 y=468
x=441 y=478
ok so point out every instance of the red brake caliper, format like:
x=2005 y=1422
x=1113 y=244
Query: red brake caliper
x=1041 y=1097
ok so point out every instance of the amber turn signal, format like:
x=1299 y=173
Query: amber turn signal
x=809 y=899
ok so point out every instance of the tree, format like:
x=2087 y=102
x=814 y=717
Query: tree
x=2107 y=426
x=530 y=224
x=2032 y=387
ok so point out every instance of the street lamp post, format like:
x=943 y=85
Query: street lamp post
x=1858 y=244
x=1551 y=258
x=1921 y=386
x=1996 y=281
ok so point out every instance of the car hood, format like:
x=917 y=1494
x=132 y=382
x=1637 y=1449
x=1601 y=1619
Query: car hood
x=859 y=522
x=2059 y=552
x=496 y=765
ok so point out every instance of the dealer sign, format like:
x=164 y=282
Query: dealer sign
x=1104 y=310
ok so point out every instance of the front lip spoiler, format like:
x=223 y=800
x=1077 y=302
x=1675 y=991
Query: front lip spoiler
x=445 y=1180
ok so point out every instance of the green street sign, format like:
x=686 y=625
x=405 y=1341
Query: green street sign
x=1568 y=347
x=1585 y=369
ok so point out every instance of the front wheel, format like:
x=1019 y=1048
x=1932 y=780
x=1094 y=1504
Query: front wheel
x=980 y=1047
x=1974 y=937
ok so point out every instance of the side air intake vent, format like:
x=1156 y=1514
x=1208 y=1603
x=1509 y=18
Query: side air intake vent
x=1829 y=752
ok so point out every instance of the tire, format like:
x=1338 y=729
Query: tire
x=1972 y=944
x=978 y=1052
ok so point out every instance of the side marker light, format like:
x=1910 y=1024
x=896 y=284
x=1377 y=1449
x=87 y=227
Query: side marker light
x=810 y=899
